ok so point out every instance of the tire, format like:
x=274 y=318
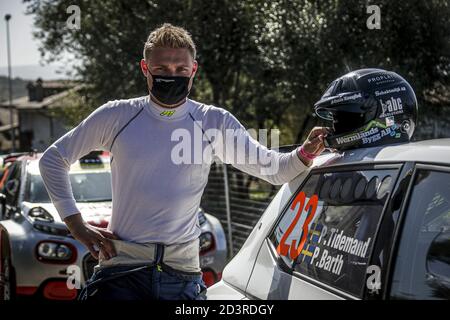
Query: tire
x=7 y=279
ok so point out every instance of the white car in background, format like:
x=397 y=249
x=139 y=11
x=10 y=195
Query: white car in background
x=36 y=247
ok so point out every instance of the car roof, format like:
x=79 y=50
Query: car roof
x=77 y=167
x=436 y=151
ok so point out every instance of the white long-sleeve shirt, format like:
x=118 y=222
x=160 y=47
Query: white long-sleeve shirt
x=155 y=195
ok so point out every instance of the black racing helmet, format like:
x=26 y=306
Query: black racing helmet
x=368 y=107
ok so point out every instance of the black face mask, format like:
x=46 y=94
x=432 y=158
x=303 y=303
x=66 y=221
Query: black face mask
x=170 y=90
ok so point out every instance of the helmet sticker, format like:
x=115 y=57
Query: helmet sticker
x=390 y=121
x=391 y=107
x=346 y=98
x=381 y=79
x=373 y=132
x=393 y=90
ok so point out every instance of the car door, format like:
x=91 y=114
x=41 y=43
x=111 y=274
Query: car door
x=321 y=245
x=421 y=263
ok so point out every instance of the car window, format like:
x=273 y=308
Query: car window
x=86 y=187
x=328 y=230
x=422 y=269
x=4 y=174
x=11 y=185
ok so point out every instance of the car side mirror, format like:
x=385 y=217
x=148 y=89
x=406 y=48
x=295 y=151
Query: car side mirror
x=11 y=186
x=438 y=264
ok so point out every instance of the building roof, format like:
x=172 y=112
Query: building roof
x=23 y=103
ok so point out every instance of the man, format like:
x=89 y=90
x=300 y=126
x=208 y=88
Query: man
x=151 y=248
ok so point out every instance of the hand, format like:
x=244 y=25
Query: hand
x=314 y=143
x=92 y=236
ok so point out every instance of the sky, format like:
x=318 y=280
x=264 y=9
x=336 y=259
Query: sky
x=25 y=56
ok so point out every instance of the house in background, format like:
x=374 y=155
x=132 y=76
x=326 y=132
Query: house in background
x=36 y=124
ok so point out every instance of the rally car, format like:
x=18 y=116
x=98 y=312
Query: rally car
x=38 y=254
x=371 y=223
x=369 y=220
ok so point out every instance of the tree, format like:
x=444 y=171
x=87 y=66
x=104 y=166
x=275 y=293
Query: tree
x=315 y=42
x=267 y=62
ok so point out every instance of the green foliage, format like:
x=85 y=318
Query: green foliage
x=266 y=61
x=76 y=107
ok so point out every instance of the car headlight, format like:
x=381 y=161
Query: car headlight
x=201 y=217
x=40 y=214
x=50 y=229
x=206 y=242
x=54 y=252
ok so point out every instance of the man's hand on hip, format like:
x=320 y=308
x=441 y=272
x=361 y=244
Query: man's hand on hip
x=92 y=237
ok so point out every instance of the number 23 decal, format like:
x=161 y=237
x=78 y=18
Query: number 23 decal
x=310 y=208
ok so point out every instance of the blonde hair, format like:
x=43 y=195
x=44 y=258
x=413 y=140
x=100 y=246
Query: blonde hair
x=169 y=36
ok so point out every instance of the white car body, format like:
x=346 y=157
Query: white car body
x=254 y=273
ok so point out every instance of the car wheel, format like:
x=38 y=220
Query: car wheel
x=7 y=275
x=5 y=280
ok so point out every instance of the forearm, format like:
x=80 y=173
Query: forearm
x=74 y=222
x=305 y=158
x=274 y=167
x=290 y=165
